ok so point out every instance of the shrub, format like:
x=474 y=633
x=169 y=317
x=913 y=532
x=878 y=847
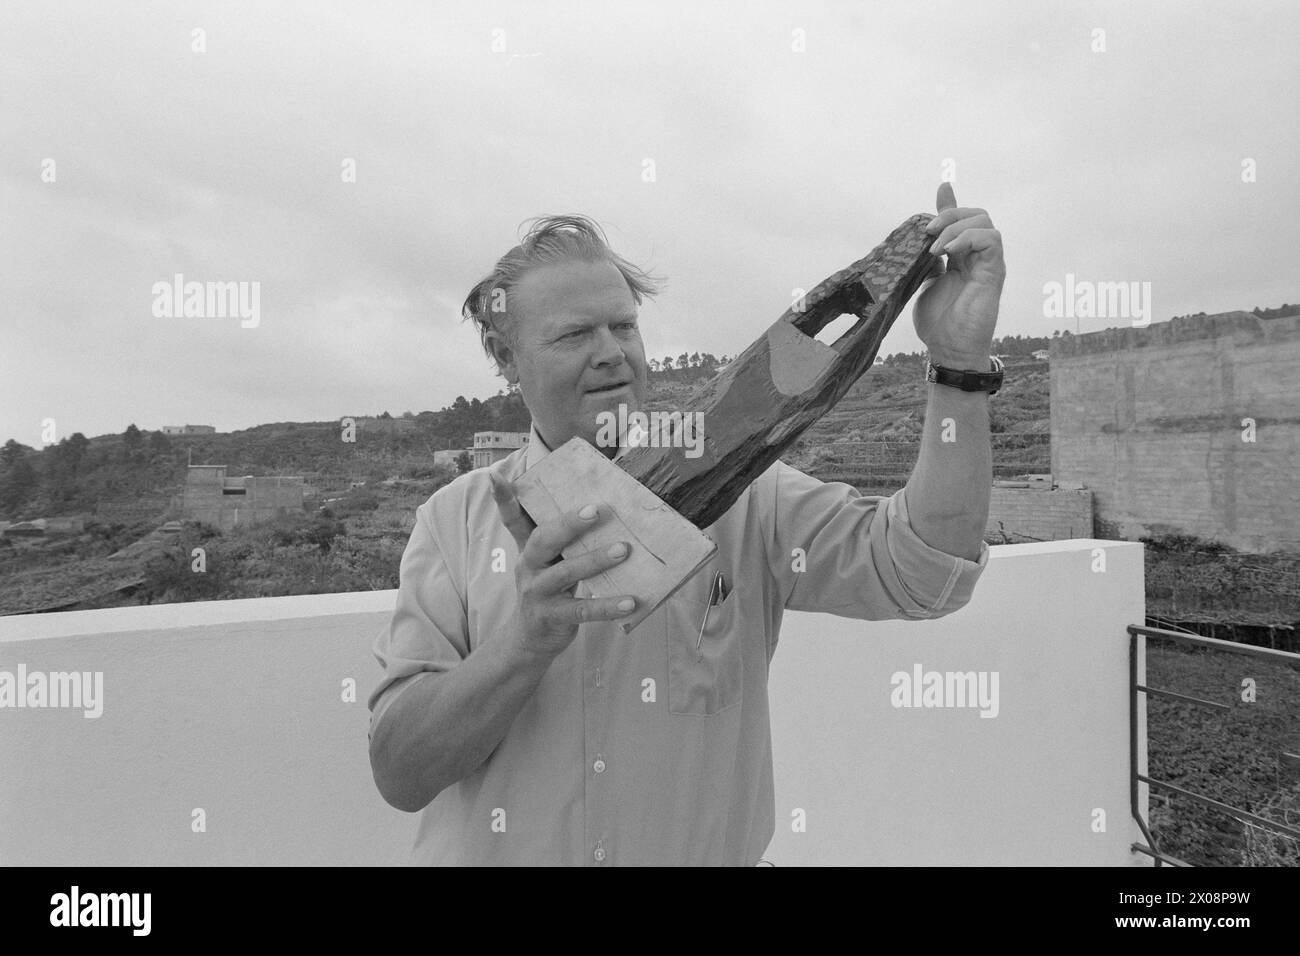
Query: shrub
x=356 y=501
x=1264 y=847
x=169 y=580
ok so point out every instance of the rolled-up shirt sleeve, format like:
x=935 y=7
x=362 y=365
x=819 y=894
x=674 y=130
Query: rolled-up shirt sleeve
x=428 y=632
x=841 y=552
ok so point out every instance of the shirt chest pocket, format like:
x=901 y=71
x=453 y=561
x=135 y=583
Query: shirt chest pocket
x=707 y=679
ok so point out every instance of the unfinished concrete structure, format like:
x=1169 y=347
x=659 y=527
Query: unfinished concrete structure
x=1190 y=426
x=1036 y=509
x=224 y=502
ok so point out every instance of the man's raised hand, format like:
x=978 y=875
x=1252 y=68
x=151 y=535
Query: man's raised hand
x=955 y=315
x=548 y=615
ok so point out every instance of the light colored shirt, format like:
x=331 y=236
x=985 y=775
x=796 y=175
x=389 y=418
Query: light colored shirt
x=637 y=748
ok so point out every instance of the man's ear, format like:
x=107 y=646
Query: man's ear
x=504 y=355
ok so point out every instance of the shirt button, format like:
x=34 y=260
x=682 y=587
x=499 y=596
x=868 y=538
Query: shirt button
x=599 y=765
x=599 y=854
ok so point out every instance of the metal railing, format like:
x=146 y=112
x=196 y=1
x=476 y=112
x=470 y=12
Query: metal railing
x=1136 y=778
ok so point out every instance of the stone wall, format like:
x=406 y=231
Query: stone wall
x=1056 y=515
x=1151 y=420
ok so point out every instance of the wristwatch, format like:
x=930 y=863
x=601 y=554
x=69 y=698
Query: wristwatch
x=965 y=379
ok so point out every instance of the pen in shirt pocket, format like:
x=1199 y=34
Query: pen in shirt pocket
x=718 y=592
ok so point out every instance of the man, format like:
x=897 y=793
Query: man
x=515 y=714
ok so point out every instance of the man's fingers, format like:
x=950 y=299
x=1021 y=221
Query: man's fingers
x=980 y=220
x=552 y=537
x=566 y=574
x=974 y=240
x=513 y=516
x=585 y=610
x=951 y=215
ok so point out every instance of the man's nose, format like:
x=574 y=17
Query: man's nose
x=608 y=350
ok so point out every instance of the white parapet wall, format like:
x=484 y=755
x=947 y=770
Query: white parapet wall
x=233 y=708
x=1046 y=781
x=234 y=732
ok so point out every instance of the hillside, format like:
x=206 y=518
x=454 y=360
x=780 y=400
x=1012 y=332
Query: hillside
x=122 y=487
x=135 y=473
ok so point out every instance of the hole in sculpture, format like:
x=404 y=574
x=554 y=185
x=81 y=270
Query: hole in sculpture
x=835 y=328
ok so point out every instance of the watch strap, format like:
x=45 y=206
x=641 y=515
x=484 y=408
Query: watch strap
x=966 y=379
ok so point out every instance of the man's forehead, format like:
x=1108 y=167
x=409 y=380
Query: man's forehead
x=574 y=291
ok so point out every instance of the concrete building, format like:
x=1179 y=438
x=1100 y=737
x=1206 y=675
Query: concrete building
x=1190 y=426
x=491 y=447
x=448 y=456
x=26 y=529
x=214 y=499
x=39 y=527
x=189 y=430
x=1041 y=355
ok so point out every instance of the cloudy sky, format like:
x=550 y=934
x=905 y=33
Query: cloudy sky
x=1107 y=140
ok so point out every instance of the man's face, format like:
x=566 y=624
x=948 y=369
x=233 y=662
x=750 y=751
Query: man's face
x=575 y=335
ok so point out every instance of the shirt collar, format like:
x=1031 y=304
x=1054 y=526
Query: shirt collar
x=537 y=449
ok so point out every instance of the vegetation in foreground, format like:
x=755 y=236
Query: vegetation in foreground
x=1234 y=757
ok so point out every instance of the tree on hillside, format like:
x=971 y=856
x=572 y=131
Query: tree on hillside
x=60 y=467
x=683 y=361
x=159 y=445
x=74 y=450
x=11 y=452
x=131 y=440
x=17 y=484
x=463 y=462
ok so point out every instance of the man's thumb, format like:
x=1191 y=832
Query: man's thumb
x=512 y=515
x=946 y=198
